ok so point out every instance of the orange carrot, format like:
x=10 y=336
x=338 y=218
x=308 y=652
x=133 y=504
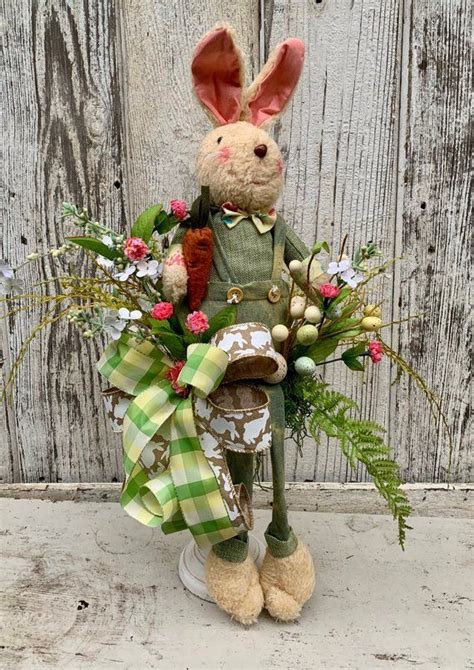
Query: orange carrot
x=198 y=249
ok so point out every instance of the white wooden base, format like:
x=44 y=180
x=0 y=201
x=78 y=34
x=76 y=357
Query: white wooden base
x=191 y=566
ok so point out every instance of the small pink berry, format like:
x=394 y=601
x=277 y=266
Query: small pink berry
x=329 y=290
x=161 y=311
x=197 y=322
x=135 y=248
x=179 y=209
x=375 y=351
x=172 y=376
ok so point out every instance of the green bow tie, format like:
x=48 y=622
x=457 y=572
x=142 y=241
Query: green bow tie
x=263 y=222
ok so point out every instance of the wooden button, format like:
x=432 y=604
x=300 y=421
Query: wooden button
x=235 y=295
x=274 y=294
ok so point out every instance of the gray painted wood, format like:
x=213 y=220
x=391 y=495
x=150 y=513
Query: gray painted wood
x=164 y=123
x=340 y=142
x=433 y=235
x=64 y=136
x=441 y=500
x=85 y=587
x=99 y=94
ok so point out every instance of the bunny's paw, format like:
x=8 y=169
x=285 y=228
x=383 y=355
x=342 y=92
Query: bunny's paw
x=287 y=582
x=235 y=587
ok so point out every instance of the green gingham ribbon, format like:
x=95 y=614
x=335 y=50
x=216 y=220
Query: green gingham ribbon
x=187 y=494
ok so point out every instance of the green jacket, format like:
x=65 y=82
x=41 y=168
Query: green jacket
x=252 y=262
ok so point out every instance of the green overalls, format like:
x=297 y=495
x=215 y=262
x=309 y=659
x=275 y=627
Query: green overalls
x=248 y=264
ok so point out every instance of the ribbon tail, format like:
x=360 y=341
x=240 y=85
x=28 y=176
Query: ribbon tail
x=197 y=489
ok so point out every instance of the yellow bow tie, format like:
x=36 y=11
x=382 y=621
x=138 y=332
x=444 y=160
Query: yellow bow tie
x=263 y=222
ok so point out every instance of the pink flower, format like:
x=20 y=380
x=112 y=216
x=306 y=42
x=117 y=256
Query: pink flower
x=172 y=376
x=162 y=310
x=179 y=209
x=329 y=290
x=135 y=248
x=197 y=322
x=375 y=351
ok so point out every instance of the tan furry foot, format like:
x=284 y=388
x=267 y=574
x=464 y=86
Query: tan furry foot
x=287 y=582
x=235 y=587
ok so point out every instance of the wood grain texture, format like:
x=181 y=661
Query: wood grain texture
x=100 y=111
x=163 y=119
x=433 y=235
x=84 y=587
x=340 y=139
x=441 y=500
x=63 y=141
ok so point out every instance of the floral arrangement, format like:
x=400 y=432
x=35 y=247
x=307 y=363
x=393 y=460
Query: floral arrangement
x=328 y=311
x=125 y=296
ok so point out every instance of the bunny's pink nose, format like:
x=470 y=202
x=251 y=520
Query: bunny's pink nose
x=260 y=150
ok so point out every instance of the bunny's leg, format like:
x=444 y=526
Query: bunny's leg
x=231 y=574
x=287 y=574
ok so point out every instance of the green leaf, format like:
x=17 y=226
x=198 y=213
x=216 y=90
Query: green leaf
x=173 y=342
x=226 y=317
x=319 y=246
x=353 y=363
x=91 y=244
x=321 y=349
x=339 y=325
x=345 y=292
x=356 y=351
x=349 y=308
x=165 y=223
x=349 y=334
x=145 y=224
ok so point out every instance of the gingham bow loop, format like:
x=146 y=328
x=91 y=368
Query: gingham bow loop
x=186 y=494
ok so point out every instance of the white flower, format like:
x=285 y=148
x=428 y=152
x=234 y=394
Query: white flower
x=351 y=277
x=149 y=268
x=346 y=272
x=11 y=286
x=112 y=325
x=128 y=315
x=5 y=270
x=108 y=241
x=105 y=263
x=123 y=276
x=33 y=256
x=337 y=268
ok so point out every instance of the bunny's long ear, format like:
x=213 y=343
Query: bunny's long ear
x=271 y=91
x=218 y=75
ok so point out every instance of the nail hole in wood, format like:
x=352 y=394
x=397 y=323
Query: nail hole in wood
x=117 y=183
x=423 y=205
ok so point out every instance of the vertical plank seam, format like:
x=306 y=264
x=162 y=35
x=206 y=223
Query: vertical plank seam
x=399 y=170
x=124 y=106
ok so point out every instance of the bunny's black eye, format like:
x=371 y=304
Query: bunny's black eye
x=219 y=139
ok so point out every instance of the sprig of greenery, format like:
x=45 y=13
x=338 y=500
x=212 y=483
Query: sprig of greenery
x=312 y=408
x=434 y=402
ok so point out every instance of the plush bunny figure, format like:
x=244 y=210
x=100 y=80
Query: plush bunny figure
x=243 y=168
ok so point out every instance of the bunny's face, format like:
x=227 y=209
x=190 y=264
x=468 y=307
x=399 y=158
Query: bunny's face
x=241 y=164
x=238 y=160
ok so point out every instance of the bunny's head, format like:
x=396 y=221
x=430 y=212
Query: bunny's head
x=238 y=159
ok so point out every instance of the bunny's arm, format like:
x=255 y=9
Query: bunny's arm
x=295 y=249
x=175 y=275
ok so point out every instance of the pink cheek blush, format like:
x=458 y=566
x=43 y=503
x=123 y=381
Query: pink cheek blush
x=223 y=154
x=280 y=165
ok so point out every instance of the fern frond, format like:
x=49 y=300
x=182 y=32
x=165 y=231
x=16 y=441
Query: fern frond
x=360 y=440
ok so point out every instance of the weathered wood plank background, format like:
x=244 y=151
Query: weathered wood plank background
x=99 y=110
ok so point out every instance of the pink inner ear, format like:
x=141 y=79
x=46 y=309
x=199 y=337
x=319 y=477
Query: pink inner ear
x=216 y=74
x=278 y=85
